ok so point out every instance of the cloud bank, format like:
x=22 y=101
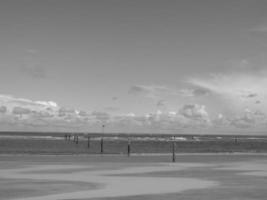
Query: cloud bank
x=217 y=102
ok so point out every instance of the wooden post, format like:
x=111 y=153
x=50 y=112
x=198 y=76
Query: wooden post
x=235 y=140
x=77 y=139
x=129 y=147
x=74 y=138
x=88 y=142
x=173 y=150
x=102 y=146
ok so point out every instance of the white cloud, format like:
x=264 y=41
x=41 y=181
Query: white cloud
x=47 y=103
x=248 y=119
x=236 y=90
x=25 y=114
x=195 y=112
x=10 y=101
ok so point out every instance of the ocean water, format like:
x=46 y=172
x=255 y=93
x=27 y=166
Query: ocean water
x=58 y=143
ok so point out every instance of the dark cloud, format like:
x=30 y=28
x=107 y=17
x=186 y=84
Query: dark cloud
x=114 y=98
x=249 y=95
x=201 y=91
x=83 y=114
x=252 y=95
x=161 y=103
x=3 y=109
x=258 y=102
x=195 y=91
x=137 y=90
x=21 y=111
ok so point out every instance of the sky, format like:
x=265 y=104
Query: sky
x=146 y=66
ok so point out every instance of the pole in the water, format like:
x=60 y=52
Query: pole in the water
x=77 y=139
x=173 y=150
x=88 y=143
x=102 y=146
x=102 y=141
x=129 y=147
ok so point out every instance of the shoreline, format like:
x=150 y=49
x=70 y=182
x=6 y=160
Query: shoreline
x=135 y=154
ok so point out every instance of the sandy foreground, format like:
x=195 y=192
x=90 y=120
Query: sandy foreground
x=51 y=179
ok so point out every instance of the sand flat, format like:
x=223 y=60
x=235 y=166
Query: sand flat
x=111 y=185
x=201 y=177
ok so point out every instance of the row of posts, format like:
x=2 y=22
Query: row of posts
x=76 y=140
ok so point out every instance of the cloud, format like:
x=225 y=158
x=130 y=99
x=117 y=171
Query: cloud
x=34 y=71
x=25 y=114
x=114 y=98
x=21 y=111
x=111 y=108
x=161 y=103
x=195 y=112
x=162 y=121
x=248 y=119
x=221 y=121
x=47 y=103
x=82 y=113
x=3 y=109
x=162 y=92
x=252 y=95
x=235 y=89
x=139 y=90
x=152 y=91
x=42 y=114
x=11 y=101
x=200 y=91
x=257 y=102
x=63 y=112
x=194 y=92
x=101 y=116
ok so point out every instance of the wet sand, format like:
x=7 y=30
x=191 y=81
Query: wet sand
x=62 y=178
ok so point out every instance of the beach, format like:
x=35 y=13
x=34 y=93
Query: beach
x=193 y=176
